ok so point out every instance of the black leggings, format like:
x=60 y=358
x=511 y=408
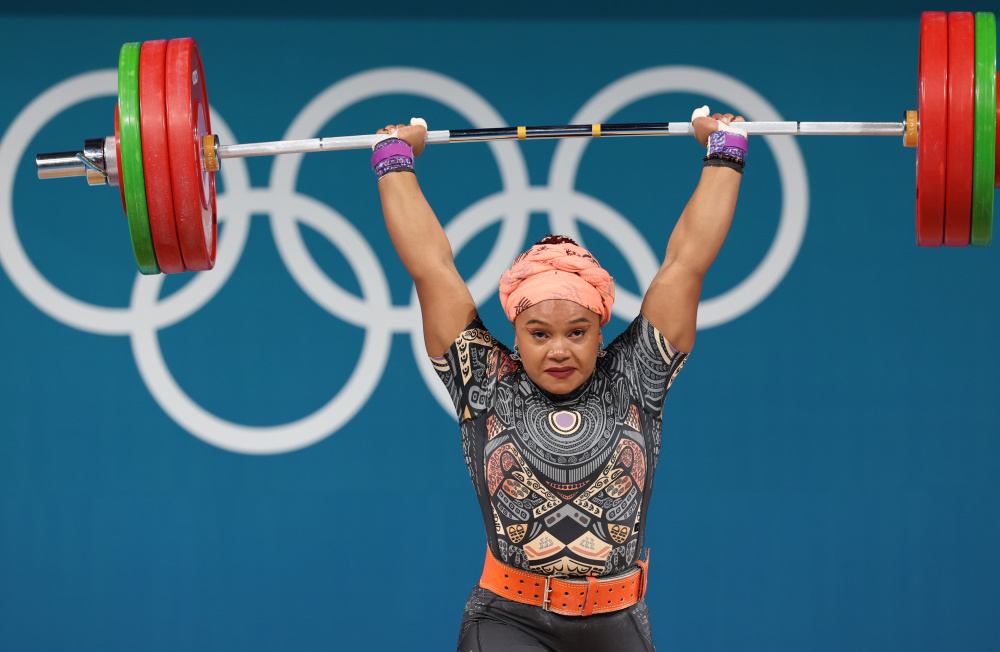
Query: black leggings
x=495 y=624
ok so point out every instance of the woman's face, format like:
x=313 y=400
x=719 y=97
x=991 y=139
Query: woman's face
x=558 y=341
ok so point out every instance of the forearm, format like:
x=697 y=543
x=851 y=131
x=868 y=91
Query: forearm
x=704 y=223
x=416 y=234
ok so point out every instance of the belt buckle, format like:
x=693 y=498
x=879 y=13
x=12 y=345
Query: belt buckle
x=548 y=589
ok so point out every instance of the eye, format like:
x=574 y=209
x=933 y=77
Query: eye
x=537 y=335
x=578 y=333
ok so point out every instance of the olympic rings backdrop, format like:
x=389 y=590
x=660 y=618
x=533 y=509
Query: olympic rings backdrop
x=260 y=457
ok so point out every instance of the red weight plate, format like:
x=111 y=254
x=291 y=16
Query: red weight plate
x=155 y=159
x=961 y=119
x=118 y=155
x=933 y=138
x=187 y=124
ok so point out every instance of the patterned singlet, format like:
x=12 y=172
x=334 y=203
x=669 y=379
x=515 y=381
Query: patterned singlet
x=562 y=479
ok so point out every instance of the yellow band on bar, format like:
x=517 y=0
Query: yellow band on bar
x=596 y=131
x=209 y=149
x=522 y=133
x=910 y=135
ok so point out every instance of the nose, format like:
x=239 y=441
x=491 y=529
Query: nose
x=558 y=350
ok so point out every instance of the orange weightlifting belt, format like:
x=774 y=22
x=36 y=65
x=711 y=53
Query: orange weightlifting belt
x=582 y=596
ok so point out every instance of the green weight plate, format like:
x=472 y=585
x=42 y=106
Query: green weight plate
x=984 y=148
x=130 y=162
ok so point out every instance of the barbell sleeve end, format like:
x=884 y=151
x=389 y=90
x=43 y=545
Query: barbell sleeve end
x=55 y=165
x=97 y=162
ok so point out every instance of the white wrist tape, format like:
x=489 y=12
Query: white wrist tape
x=392 y=132
x=703 y=112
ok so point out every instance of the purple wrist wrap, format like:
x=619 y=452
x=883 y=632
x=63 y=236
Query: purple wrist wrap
x=727 y=144
x=392 y=155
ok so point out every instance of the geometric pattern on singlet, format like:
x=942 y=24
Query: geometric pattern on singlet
x=563 y=481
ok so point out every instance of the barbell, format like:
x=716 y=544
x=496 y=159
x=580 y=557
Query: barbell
x=163 y=155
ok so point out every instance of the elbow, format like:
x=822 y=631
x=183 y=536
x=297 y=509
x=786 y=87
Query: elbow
x=692 y=268
x=431 y=270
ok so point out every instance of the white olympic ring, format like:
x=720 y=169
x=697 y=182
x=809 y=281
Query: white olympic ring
x=374 y=310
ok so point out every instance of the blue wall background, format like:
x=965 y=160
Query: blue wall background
x=829 y=475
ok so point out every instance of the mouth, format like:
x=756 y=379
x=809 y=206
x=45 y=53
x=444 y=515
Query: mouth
x=560 y=372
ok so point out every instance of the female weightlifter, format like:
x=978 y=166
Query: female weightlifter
x=561 y=434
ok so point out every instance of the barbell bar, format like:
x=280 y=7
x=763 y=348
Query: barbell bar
x=163 y=155
x=68 y=164
x=313 y=145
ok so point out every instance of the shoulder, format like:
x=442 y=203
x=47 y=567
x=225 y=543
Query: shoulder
x=642 y=338
x=474 y=347
x=476 y=332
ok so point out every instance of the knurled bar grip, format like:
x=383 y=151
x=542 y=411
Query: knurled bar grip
x=566 y=131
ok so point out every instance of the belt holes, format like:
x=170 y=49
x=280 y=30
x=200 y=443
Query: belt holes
x=566 y=593
x=506 y=576
x=519 y=593
x=506 y=588
x=536 y=596
x=522 y=581
x=564 y=604
x=537 y=584
x=622 y=600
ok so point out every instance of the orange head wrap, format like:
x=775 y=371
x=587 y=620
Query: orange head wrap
x=557 y=268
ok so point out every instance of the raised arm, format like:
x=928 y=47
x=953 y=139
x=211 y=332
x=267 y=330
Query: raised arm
x=671 y=302
x=446 y=305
